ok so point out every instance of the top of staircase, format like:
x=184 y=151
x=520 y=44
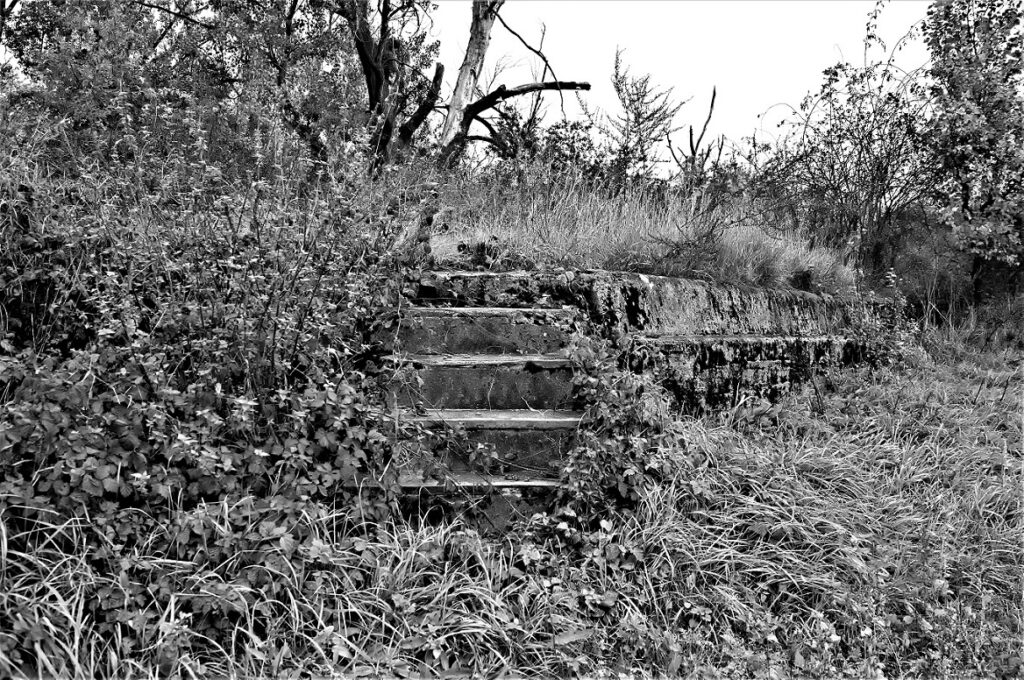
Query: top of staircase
x=638 y=302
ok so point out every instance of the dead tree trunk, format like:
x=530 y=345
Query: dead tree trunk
x=484 y=14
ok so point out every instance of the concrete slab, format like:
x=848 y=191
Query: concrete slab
x=512 y=419
x=707 y=372
x=517 y=441
x=482 y=330
x=467 y=480
x=524 y=362
x=622 y=302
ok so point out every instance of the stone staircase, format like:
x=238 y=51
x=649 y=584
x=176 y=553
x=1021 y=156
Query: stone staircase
x=482 y=390
x=498 y=382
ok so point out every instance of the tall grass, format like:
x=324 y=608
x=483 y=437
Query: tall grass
x=890 y=523
x=870 y=527
x=543 y=217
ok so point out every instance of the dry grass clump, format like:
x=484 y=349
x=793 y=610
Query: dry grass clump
x=543 y=218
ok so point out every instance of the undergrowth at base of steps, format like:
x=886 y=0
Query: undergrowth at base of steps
x=867 y=531
x=865 y=527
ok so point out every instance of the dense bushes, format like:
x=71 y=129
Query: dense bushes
x=158 y=362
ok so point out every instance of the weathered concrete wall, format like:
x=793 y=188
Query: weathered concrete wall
x=486 y=394
x=708 y=372
x=624 y=302
x=710 y=345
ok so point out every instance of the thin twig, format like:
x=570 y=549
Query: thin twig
x=537 y=51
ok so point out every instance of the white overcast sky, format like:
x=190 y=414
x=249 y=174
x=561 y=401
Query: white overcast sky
x=759 y=53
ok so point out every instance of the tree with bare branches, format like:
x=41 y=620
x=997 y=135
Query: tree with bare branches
x=484 y=14
x=382 y=37
x=462 y=112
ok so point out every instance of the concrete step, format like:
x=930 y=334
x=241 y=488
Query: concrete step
x=511 y=419
x=489 y=381
x=523 y=442
x=473 y=482
x=523 y=289
x=483 y=330
x=531 y=444
x=490 y=502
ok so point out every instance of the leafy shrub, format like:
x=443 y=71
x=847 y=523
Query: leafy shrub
x=977 y=128
x=157 y=362
x=621 y=450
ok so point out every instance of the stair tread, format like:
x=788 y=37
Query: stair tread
x=460 y=479
x=715 y=337
x=470 y=479
x=507 y=419
x=488 y=360
x=487 y=311
x=474 y=274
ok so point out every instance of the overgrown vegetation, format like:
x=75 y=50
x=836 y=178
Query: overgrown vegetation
x=206 y=208
x=869 y=527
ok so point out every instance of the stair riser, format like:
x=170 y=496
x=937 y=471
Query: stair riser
x=725 y=386
x=488 y=335
x=488 y=512
x=713 y=374
x=795 y=351
x=487 y=387
x=533 y=453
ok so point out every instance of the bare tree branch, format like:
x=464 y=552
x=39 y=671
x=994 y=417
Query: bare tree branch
x=487 y=124
x=419 y=116
x=453 y=149
x=484 y=14
x=502 y=93
x=535 y=50
x=711 y=109
x=539 y=51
